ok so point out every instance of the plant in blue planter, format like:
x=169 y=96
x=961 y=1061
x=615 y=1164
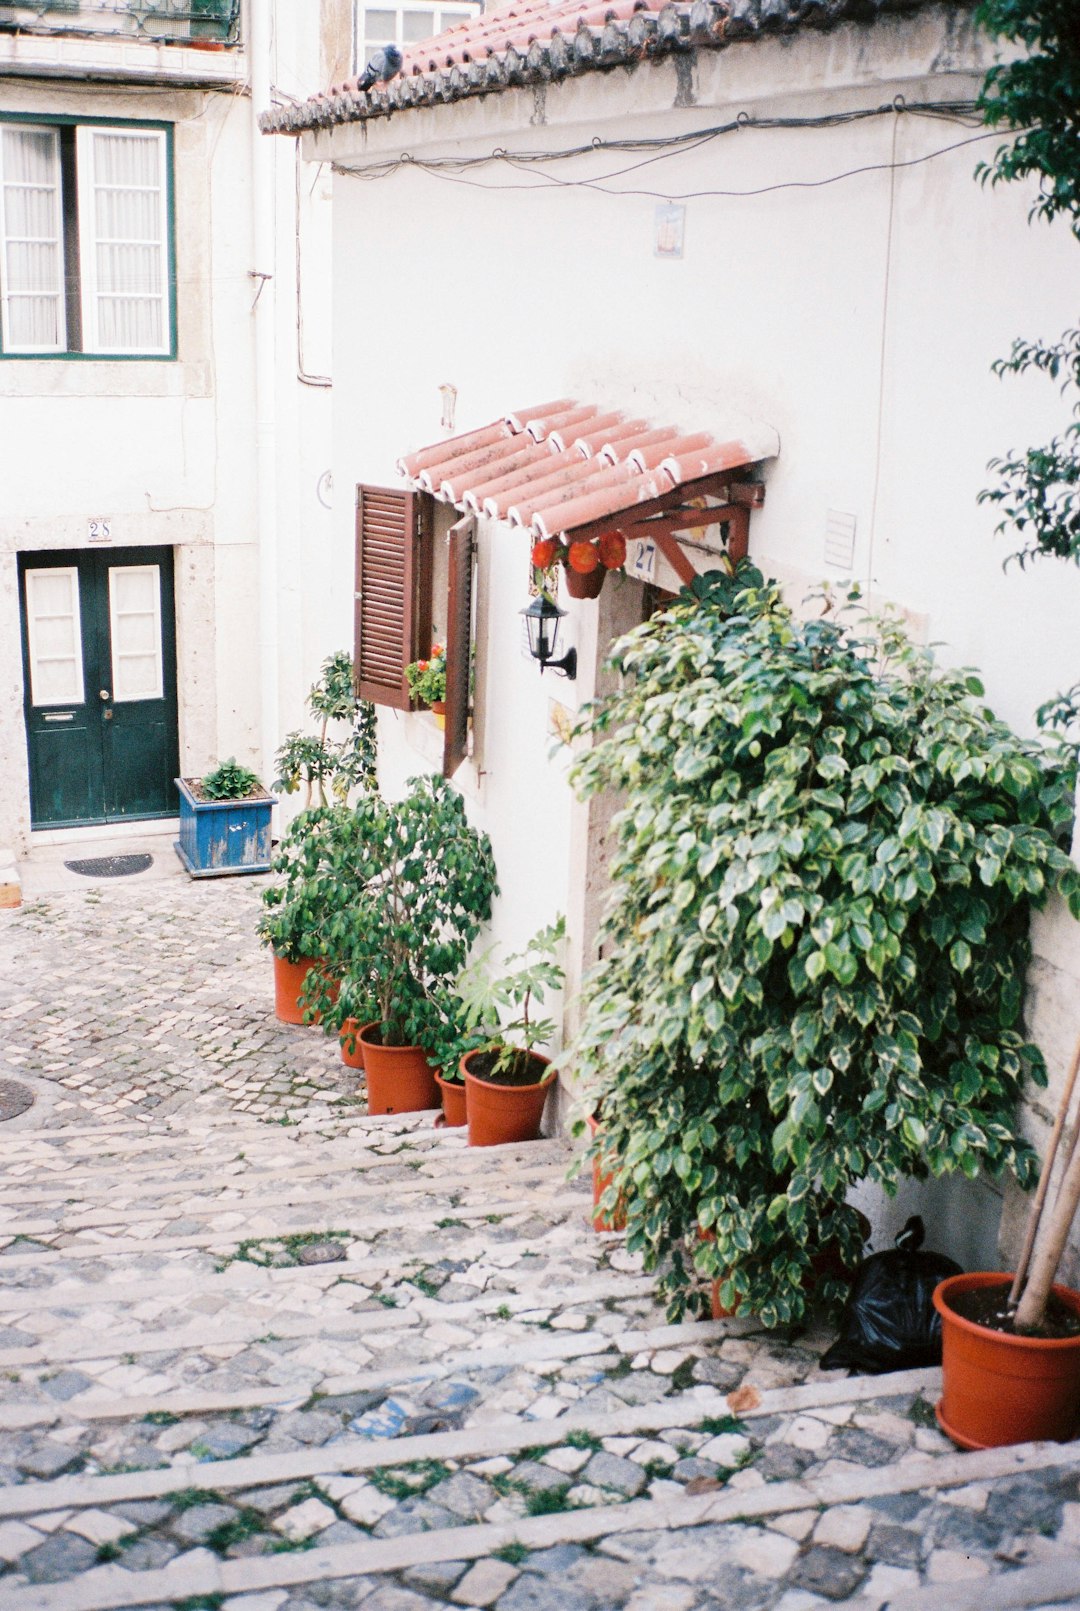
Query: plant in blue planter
x=224 y=822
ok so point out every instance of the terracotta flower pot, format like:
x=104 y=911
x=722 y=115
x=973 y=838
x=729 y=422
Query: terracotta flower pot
x=453 y=1101
x=600 y=1184
x=399 y=1078
x=1000 y=1389
x=584 y=585
x=288 y=982
x=499 y=1114
x=352 y=1050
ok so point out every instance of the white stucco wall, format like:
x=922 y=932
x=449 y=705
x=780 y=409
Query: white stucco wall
x=166 y=450
x=858 y=317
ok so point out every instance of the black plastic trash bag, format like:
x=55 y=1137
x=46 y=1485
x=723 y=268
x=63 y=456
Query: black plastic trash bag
x=890 y=1322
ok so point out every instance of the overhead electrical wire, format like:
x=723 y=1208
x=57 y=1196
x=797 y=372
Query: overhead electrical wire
x=455 y=169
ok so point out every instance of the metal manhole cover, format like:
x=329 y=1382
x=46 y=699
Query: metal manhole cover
x=110 y=866
x=14 y=1099
x=321 y=1253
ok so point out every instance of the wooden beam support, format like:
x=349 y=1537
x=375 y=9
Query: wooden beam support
x=675 y=557
x=710 y=486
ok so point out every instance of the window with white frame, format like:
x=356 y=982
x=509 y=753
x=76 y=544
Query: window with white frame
x=84 y=240
x=406 y=24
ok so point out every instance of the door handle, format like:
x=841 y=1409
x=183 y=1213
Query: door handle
x=104 y=692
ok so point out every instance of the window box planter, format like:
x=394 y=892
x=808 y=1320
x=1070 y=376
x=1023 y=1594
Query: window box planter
x=219 y=837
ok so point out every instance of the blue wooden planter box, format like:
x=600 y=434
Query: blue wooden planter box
x=218 y=837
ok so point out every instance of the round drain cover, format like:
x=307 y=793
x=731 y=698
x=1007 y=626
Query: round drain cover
x=110 y=866
x=14 y=1099
x=320 y=1253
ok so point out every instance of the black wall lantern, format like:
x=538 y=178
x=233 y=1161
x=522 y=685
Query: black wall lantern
x=542 y=619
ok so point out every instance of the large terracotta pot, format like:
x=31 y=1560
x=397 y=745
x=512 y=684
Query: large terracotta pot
x=352 y=1050
x=600 y=1184
x=584 y=585
x=499 y=1114
x=399 y=1078
x=288 y=982
x=453 y=1101
x=999 y=1389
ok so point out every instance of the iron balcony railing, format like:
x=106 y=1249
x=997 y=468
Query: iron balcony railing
x=161 y=22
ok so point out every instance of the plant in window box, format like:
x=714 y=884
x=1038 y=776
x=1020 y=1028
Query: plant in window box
x=585 y=564
x=506 y=1079
x=224 y=822
x=817 y=938
x=402 y=890
x=427 y=681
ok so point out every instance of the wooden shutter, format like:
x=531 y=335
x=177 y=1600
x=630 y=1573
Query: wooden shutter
x=392 y=612
x=459 y=602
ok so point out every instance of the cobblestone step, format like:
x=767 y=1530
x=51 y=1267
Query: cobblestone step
x=638 y=1530
x=352 y=1455
x=339 y=1190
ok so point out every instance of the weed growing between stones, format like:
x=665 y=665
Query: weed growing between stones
x=513 y=1554
x=408 y=1481
x=717 y=1425
x=922 y=1412
x=160 y=1418
x=583 y=1440
x=245 y=1524
x=682 y=1377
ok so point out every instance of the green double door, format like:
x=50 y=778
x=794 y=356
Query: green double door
x=99 y=664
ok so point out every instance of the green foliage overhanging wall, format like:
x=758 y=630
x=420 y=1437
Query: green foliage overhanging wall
x=816 y=947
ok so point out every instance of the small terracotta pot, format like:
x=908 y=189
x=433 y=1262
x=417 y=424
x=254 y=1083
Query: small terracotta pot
x=288 y=982
x=499 y=1114
x=399 y=1078
x=584 y=584
x=999 y=1389
x=453 y=1101
x=352 y=1049
x=600 y=1184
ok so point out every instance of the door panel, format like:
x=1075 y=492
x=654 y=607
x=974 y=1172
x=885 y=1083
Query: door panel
x=99 y=646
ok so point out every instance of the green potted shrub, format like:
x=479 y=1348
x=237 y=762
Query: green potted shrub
x=330 y=764
x=506 y=1079
x=815 y=951
x=224 y=822
x=401 y=890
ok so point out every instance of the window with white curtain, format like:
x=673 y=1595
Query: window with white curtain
x=84 y=240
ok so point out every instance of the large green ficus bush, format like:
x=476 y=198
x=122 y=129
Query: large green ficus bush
x=817 y=936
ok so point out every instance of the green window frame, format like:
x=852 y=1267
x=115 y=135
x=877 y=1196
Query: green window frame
x=87 y=239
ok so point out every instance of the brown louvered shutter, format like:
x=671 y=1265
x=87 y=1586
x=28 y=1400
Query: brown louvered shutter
x=459 y=600
x=393 y=590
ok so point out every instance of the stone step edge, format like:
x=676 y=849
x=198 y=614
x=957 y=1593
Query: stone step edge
x=466 y=1159
x=223 y=1241
x=27 y=1143
x=252 y=1202
x=562 y=1345
x=67 y=1293
x=1027 y=1588
x=357 y=1455
x=73 y=1347
x=199 y=1572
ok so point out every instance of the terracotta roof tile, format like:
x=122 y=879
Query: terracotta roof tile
x=537 y=41
x=516 y=469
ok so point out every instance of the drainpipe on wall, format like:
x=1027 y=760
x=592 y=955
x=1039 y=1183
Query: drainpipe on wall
x=260 y=22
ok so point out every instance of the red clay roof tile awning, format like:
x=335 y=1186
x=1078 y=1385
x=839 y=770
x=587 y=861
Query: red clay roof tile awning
x=564 y=465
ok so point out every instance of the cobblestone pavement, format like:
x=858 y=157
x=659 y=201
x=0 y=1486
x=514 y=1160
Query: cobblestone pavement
x=167 y=1003
x=346 y=1361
